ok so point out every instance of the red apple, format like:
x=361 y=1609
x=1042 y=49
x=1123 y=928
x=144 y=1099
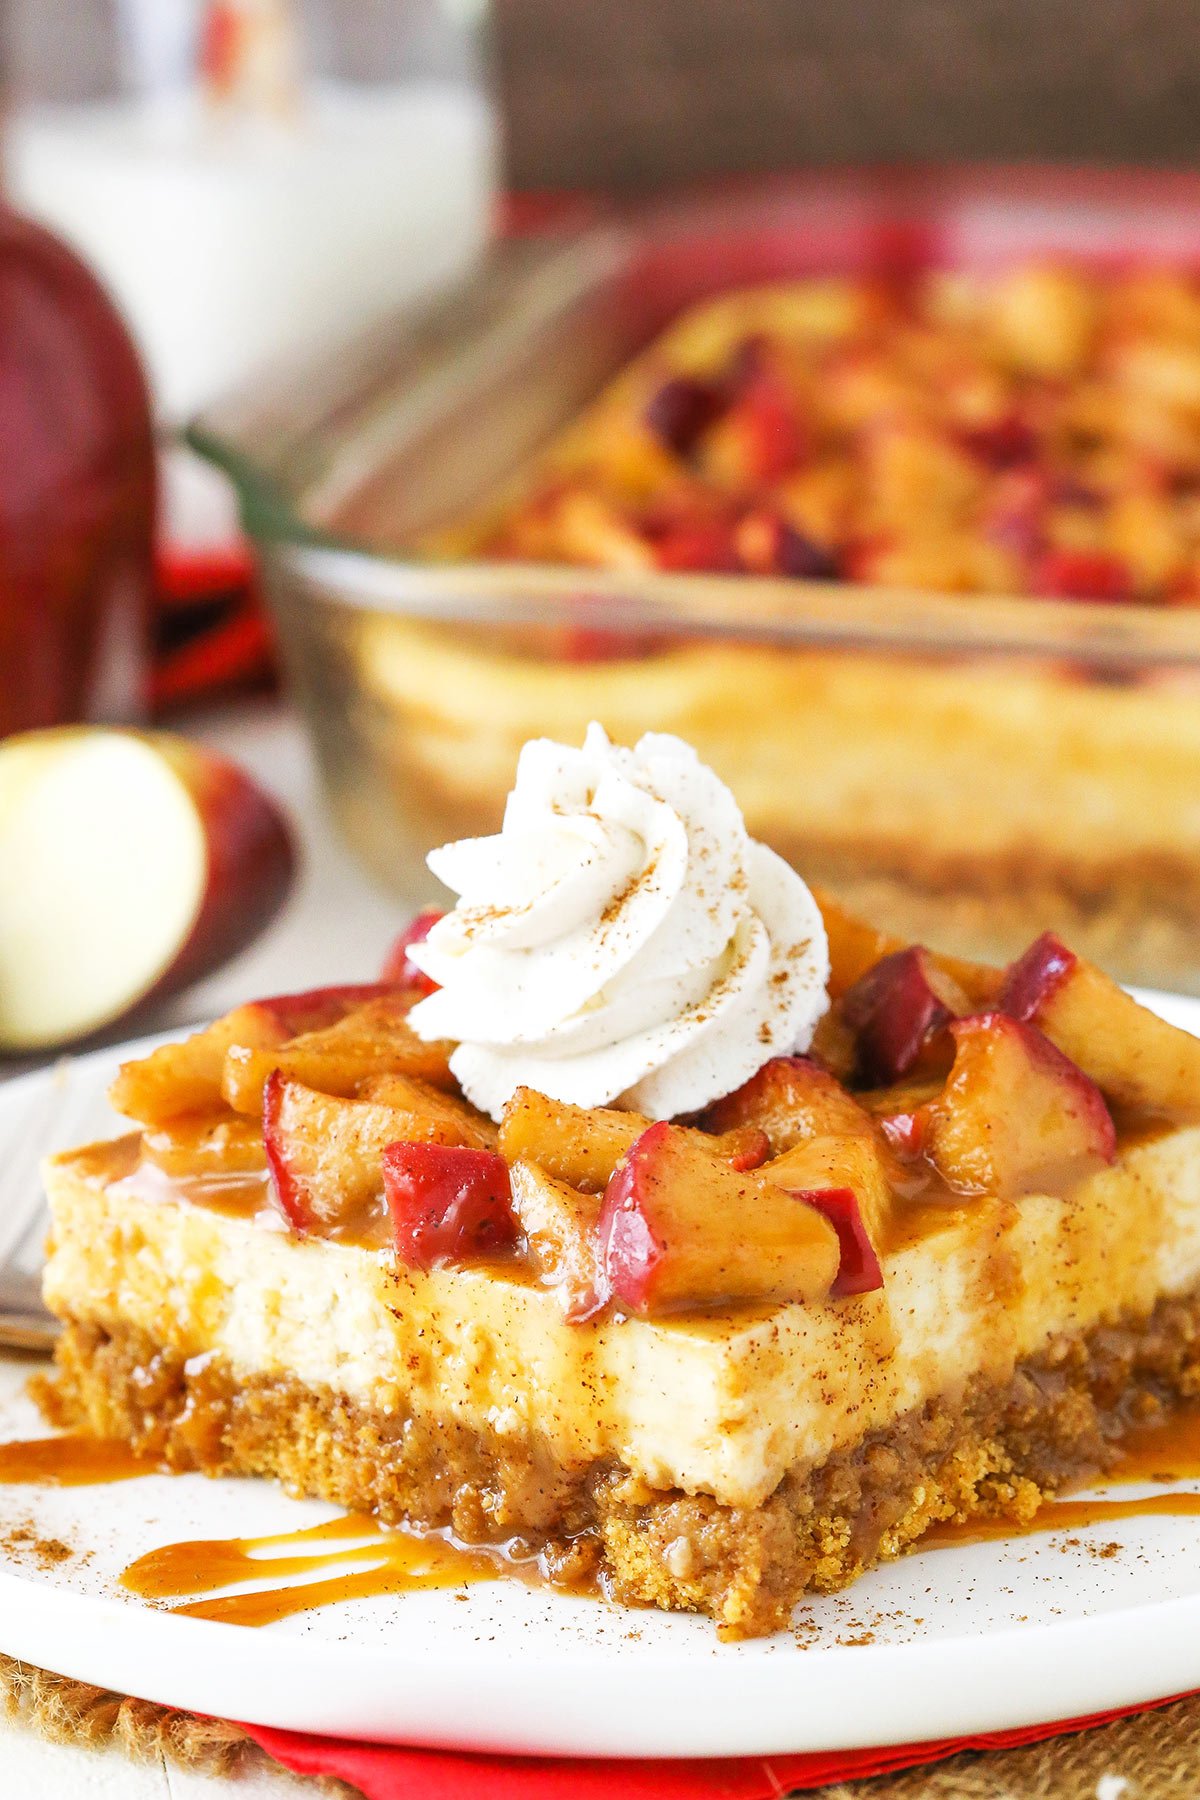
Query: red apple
x=905 y=1131
x=704 y=546
x=744 y=1147
x=902 y=1114
x=131 y=865
x=77 y=501
x=1004 y=442
x=680 y=1231
x=1015 y=1112
x=858 y=1271
x=1030 y=982
x=768 y=545
x=448 y=1205
x=1136 y=1058
x=287 y=1016
x=897 y=1012
x=324 y=1154
x=856 y=946
x=771 y=438
x=397 y=965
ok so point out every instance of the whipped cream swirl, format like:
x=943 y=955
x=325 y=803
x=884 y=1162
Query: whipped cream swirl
x=622 y=939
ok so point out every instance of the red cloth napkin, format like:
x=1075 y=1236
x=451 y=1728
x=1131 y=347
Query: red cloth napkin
x=384 y=1772
x=210 y=634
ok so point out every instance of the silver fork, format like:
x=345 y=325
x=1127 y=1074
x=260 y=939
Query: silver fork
x=24 y=1322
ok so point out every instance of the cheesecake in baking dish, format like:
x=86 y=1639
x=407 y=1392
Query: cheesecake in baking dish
x=654 y=1219
x=1031 y=432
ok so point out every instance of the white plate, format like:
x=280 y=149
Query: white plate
x=946 y=1642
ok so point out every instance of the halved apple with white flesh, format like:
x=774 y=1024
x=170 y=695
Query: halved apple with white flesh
x=131 y=865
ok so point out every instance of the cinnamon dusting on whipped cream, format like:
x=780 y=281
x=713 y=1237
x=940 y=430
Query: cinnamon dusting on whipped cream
x=621 y=939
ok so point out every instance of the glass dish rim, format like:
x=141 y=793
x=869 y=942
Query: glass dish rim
x=760 y=609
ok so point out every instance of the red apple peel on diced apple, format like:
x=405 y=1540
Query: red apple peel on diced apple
x=1036 y=976
x=1137 y=1059
x=1015 y=1113
x=858 y=1270
x=898 y=1009
x=325 y=1151
x=448 y=1205
x=681 y=1231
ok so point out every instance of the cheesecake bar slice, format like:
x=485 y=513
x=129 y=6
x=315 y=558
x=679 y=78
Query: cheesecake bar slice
x=933 y=1269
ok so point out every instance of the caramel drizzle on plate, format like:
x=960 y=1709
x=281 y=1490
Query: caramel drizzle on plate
x=72 y=1461
x=389 y=1562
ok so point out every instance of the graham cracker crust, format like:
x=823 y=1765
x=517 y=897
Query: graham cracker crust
x=992 y=1451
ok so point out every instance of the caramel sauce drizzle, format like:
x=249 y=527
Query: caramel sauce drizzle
x=389 y=1562
x=72 y=1461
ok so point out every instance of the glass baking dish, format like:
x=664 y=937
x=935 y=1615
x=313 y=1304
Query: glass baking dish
x=967 y=769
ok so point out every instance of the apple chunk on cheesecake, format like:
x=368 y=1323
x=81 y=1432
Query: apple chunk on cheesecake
x=654 y=1219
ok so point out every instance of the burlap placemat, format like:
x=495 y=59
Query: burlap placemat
x=1153 y=1756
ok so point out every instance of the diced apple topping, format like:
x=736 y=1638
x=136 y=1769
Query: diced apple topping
x=182 y=1078
x=314 y=1009
x=792 y=1099
x=781 y=1191
x=374 y=1039
x=427 y=1115
x=1136 y=1058
x=856 y=1162
x=858 y=1271
x=398 y=966
x=582 y=1145
x=742 y=1146
x=902 y=1114
x=560 y=1228
x=575 y=1144
x=681 y=1231
x=325 y=1152
x=447 y=1205
x=899 y=1011
x=200 y=1146
x=186 y=1077
x=1015 y=1114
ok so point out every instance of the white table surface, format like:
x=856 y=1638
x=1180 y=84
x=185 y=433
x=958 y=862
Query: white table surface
x=335 y=928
